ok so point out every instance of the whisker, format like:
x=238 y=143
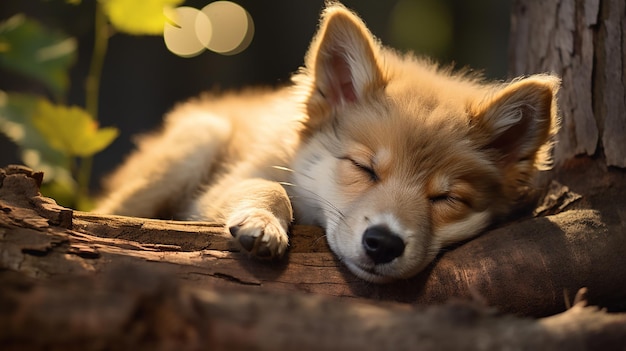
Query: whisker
x=334 y=215
x=317 y=196
x=331 y=209
x=287 y=169
x=324 y=201
x=316 y=240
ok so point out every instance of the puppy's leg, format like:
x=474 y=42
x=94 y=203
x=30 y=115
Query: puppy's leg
x=167 y=168
x=257 y=212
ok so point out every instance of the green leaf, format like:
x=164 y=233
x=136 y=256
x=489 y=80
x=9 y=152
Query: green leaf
x=30 y=49
x=16 y=111
x=71 y=130
x=144 y=17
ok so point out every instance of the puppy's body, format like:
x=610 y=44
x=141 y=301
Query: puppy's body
x=394 y=157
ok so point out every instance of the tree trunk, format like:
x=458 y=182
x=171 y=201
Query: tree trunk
x=583 y=41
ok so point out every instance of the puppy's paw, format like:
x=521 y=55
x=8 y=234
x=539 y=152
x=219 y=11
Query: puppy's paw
x=259 y=232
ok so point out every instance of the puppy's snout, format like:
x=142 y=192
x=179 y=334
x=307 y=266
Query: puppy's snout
x=381 y=244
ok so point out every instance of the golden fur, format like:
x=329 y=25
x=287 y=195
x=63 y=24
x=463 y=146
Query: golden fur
x=393 y=156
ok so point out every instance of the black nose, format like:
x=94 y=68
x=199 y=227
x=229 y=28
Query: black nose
x=381 y=244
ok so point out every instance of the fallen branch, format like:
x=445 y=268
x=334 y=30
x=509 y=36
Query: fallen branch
x=531 y=268
x=131 y=308
x=78 y=277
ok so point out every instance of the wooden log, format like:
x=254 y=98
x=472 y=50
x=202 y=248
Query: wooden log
x=138 y=309
x=530 y=268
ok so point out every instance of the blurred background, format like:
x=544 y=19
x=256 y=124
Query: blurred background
x=142 y=78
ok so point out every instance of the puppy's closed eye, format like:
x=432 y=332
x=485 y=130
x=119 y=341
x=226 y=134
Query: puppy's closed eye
x=367 y=170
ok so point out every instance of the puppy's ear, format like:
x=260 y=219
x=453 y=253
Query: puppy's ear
x=517 y=124
x=343 y=58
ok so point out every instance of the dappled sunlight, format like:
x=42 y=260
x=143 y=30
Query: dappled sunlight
x=222 y=27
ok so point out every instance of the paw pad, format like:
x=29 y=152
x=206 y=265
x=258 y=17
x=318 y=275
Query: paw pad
x=258 y=232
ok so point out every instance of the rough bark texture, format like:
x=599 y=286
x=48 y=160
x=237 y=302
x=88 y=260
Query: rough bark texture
x=584 y=41
x=139 y=310
x=84 y=281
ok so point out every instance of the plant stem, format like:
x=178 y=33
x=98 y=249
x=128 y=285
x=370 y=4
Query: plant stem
x=92 y=93
x=101 y=40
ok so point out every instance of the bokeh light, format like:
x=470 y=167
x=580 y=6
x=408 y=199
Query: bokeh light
x=222 y=27
x=180 y=36
x=232 y=24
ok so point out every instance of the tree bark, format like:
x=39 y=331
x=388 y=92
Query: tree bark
x=137 y=309
x=584 y=41
x=89 y=281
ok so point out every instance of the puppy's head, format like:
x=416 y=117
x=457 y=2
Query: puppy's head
x=400 y=158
